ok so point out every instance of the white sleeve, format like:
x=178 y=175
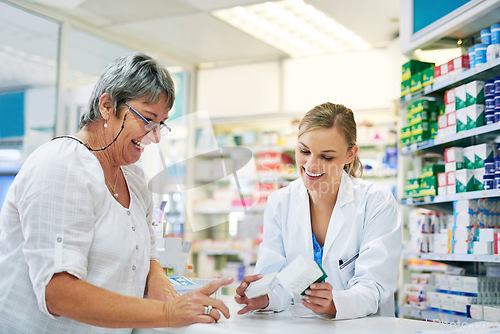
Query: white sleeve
x=56 y=205
x=376 y=270
x=272 y=251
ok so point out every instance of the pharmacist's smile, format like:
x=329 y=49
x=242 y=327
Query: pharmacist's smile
x=311 y=175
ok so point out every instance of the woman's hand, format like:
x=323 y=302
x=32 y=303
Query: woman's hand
x=190 y=308
x=256 y=303
x=319 y=299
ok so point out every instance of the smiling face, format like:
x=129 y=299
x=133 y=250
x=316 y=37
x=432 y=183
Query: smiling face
x=134 y=137
x=321 y=155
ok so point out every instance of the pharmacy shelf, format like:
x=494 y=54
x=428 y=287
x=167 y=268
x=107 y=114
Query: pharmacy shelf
x=481 y=72
x=433 y=315
x=454 y=257
x=214 y=252
x=430 y=200
x=483 y=134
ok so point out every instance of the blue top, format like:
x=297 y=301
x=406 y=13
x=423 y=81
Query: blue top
x=318 y=251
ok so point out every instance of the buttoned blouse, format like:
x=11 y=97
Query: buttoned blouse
x=58 y=216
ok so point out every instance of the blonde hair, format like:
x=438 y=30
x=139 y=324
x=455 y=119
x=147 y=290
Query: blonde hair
x=329 y=115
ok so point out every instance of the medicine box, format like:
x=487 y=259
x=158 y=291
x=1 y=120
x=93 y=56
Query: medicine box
x=449 y=100
x=460 y=97
x=483 y=152
x=454 y=158
x=491 y=313
x=478 y=178
x=465 y=180
x=462 y=119
x=475 y=116
x=469 y=157
x=474 y=92
x=451 y=179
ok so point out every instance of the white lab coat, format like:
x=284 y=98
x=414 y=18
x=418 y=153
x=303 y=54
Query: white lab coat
x=365 y=221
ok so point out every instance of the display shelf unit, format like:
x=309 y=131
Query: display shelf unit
x=481 y=72
x=453 y=257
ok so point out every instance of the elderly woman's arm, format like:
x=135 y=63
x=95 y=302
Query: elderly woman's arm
x=158 y=285
x=73 y=298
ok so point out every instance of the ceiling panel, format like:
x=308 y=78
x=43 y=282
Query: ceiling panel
x=202 y=37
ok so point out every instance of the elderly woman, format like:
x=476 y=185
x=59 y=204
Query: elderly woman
x=77 y=252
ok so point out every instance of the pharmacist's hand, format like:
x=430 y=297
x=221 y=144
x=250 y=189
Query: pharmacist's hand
x=256 y=303
x=190 y=308
x=319 y=299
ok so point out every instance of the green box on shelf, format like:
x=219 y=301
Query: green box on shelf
x=421 y=116
x=405 y=141
x=419 y=126
x=478 y=178
x=420 y=137
x=416 y=83
x=431 y=171
x=405 y=87
x=406 y=131
x=422 y=104
x=429 y=182
x=441 y=109
x=428 y=76
x=413 y=66
x=433 y=129
x=428 y=192
x=412 y=184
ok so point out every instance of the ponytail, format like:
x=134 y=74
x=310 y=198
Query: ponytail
x=355 y=167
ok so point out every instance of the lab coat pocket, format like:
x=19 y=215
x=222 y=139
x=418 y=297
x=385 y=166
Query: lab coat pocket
x=346 y=270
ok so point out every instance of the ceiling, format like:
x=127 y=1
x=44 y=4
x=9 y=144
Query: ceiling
x=187 y=30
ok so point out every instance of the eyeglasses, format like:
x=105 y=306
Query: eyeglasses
x=151 y=125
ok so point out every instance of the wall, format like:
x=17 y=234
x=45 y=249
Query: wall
x=363 y=81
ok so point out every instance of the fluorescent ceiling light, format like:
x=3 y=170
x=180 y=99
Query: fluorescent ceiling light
x=294 y=27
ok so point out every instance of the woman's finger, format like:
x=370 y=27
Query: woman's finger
x=213 y=286
x=240 y=290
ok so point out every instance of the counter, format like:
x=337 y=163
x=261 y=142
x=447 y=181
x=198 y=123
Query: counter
x=286 y=323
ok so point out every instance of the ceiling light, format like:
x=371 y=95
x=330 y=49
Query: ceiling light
x=294 y=27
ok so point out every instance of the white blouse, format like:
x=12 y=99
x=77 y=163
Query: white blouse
x=59 y=216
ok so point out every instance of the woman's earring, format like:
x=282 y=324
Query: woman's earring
x=105 y=124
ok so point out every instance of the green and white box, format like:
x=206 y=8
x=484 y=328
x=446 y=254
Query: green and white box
x=460 y=97
x=474 y=93
x=465 y=180
x=462 y=119
x=475 y=116
x=469 y=157
x=483 y=152
x=478 y=178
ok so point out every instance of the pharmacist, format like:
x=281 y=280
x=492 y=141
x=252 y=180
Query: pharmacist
x=349 y=226
x=77 y=250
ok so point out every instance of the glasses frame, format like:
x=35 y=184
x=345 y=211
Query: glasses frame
x=151 y=125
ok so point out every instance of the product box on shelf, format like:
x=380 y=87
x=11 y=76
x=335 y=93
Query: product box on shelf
x=412 y=67
x=461 y=63
x=405 y=87
x=465 y=180
x=469 y=157
x=449 y=100
x=462 y=119
x=474 y=92
x=475 y=116
x=460 y=97
x=478 y=178
x=483 y=152
x=442 y=184
x=431 y=170
x=427 y=77
x=428 y=186
x=454 y=158
x=416 y=83
x=451 y=180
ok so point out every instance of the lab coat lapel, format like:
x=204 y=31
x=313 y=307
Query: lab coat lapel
x=300 y=214
x=340 y=212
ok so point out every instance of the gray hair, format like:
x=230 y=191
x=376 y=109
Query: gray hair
x=130 y=77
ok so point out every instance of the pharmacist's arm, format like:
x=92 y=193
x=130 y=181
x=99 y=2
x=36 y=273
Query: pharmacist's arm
x=376 y=270
x=158 y=285
x=73 y=298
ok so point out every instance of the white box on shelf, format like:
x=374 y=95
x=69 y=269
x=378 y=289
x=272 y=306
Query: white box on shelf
x=476 y=312
x=491 y=313
x=482 y=248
